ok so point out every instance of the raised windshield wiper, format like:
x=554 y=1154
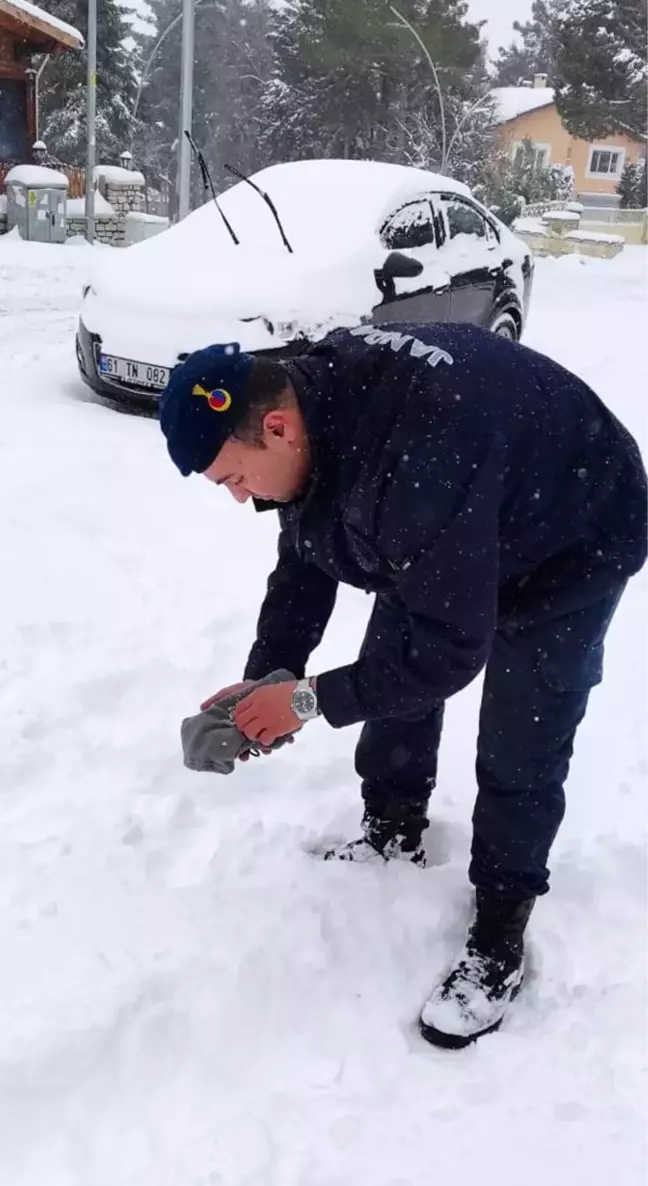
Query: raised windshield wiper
x=267 y=199
x=208 y=183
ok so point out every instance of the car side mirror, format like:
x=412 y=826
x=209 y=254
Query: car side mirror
x=396 y=266
x=399 y=266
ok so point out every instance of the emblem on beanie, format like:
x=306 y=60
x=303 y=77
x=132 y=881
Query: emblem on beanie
x=219 y=400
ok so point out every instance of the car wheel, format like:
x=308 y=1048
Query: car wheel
x=505 y=325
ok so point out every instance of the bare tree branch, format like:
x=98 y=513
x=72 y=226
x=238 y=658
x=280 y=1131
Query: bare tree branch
x=405 y=24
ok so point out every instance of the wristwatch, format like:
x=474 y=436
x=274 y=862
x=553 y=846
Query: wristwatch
x=304 y=701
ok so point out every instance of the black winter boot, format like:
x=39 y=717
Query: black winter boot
x=488 y=974
x=385 y=840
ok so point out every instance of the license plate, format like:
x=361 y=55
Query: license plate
x=141 y=374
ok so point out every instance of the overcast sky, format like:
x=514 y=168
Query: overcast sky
x=500 y=15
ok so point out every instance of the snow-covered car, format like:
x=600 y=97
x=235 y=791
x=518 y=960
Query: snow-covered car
x=354 y=242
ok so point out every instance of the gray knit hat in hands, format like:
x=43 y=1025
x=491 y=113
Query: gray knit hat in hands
x=210 y=740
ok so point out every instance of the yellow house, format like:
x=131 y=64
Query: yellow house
x=529 y=113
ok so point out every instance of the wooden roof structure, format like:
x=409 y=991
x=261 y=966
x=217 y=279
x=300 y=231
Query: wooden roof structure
x=42 y=33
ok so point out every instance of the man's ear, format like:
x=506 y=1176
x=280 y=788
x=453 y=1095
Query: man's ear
x=274 y=423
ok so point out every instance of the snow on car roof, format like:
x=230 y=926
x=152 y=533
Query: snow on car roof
x=339 y=203
x=330 y=211
x=512 y=101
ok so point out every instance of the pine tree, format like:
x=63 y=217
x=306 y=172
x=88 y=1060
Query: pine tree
x=63 y=87
x=319 y=78
x=632 y=186
x=642 y=184
x=232 y=73
x=534 y=52
x=351 y=83
x=600 y=68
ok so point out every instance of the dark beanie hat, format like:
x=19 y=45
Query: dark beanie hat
x=203 y=403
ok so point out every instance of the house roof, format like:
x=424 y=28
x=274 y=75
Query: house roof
x=513 y=101
x=38 y=26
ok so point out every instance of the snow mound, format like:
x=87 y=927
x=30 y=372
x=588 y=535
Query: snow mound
x=594 y=237
x=76 y=206
x=141 y=216
x=561 y=216
x=118 y=176
x=530 y=226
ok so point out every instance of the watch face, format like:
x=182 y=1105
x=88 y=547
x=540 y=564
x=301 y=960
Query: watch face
x=303 y=703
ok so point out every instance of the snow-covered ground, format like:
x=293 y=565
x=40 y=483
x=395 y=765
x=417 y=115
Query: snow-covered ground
x=187 y=997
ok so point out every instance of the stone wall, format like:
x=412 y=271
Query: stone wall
x=602 y=246
x=108 y=228
x=125 y=193
x=123 y=197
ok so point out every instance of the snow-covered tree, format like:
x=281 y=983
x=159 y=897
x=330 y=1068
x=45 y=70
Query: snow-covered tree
x=513 y=184
x=600 y=67
x=320 y=78
x=532 y=52
x=232 y=74
x=471 y=141
x=63 y=86
x=562 y=181
x=352 y=82
x=632 y=186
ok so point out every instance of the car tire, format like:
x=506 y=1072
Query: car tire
x=505 y=325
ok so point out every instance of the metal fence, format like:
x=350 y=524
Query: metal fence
x=158 y=199
x=535 y=209
x=610 y=214
x=75 y=176
x=613 y=215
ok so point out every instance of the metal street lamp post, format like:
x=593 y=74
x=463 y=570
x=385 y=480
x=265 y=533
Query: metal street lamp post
x=91 y=110
x=186 y=108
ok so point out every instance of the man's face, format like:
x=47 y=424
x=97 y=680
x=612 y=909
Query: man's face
x=276 y=469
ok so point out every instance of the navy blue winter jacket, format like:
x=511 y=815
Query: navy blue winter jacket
x=465 y=479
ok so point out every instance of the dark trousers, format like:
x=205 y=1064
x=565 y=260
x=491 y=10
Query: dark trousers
x=536 y=687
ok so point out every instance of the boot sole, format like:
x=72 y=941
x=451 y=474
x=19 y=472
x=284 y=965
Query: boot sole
x=323 y=854
x=460 y=1041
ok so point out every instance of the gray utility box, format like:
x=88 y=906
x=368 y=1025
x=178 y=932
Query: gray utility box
x=36 y=201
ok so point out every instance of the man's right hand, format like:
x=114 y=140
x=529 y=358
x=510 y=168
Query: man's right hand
x=229 y=691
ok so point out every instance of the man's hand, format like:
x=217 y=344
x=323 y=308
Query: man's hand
x=229 y=691
x=267 y=714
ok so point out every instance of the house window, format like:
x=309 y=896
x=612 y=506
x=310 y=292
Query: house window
x=539 y=154
x=606 y=162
